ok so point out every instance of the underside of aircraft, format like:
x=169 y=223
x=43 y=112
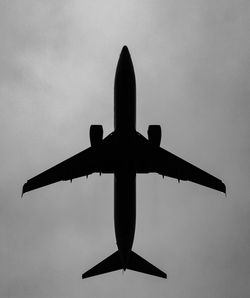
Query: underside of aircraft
x=124 y=153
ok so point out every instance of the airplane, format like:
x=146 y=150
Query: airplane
x=124 y=153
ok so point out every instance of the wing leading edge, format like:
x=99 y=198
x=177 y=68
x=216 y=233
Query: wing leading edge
x=150 y=158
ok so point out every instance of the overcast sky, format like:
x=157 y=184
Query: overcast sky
x=57 y=65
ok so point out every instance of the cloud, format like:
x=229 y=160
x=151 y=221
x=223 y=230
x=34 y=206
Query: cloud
x=57 y=63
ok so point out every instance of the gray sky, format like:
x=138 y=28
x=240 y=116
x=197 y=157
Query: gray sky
x=57 y=64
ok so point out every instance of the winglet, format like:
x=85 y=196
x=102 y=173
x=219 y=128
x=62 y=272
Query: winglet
x=26 y=187
x=23 y=190
x=224 y=189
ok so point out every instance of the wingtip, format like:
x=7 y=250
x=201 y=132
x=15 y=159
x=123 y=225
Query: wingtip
x=24 y=189
x=85 y=275
x=164 y=275
x=224 y=190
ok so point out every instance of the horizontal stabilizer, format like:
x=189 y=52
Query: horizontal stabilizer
x=137 y=263
x=111 y=263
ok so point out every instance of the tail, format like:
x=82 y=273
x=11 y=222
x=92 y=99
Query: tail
x=113 y=263
x=137 y=263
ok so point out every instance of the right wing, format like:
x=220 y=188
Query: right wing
x=150 y=158
x=94 y=159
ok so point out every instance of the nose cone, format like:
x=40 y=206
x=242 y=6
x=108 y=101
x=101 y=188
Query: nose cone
x=125 y=70
x=125 y=55
x=125 y=51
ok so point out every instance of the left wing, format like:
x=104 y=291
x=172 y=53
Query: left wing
x=150 y=158
x=94 y=159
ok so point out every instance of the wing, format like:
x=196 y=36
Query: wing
x=94 y=159
x=150 y=158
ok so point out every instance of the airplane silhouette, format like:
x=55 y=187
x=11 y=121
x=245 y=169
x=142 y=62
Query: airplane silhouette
x=124 y=153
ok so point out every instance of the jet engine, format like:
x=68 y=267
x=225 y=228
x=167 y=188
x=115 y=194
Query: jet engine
x=154 y=134
x=95 y=134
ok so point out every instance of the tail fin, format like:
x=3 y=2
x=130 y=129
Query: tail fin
x=111 y=263
x=137 y=263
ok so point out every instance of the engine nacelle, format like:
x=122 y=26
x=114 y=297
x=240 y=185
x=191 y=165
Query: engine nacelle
x=95 y=134
x=154 y=134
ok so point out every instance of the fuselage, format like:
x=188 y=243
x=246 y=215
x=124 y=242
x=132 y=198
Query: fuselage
x=125 y=175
